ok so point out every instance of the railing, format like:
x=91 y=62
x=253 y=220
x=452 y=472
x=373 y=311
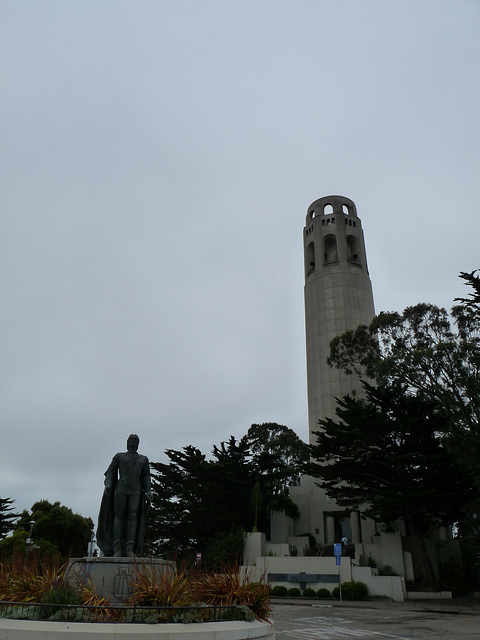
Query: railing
x=122 y=613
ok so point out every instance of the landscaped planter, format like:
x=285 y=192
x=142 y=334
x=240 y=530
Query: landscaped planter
x=41 y=630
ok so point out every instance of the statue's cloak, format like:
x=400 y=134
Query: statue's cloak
x=105 y=523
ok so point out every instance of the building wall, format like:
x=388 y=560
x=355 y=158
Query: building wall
x=322 y=573
x=321 y=517
x=338 y=297
x=298 y=571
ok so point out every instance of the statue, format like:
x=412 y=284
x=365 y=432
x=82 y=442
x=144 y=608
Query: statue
x=125 y=502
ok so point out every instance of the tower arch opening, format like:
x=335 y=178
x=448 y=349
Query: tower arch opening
x=330 y=249
x=310 y=258
x=352 y=250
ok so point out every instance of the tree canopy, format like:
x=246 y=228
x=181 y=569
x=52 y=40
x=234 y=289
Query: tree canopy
x=196 y=501
x=386 y=455
x=473 y=299
x=430 y=352
x=432 y=358
x=57 y=524
x=384 y=452
x=7 y=516
x=277 y=452
x=424 y=347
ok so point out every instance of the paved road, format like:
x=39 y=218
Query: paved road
x=387 y=621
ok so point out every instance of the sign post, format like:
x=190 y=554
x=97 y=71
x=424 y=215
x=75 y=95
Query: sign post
x=337 y=550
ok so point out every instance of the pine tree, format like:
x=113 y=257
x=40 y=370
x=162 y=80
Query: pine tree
x=7 y=516
x=386 y=454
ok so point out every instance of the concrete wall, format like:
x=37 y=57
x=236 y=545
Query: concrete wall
x=299 y=545
x=281 y=527
x=38 y=630
x=254 y=547
x=386 y=549
x=296 y=571
x=277 y=550
x=391 y=586
x=300 y=572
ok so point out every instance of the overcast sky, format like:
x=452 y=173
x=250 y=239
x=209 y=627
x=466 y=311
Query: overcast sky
x=157 y=162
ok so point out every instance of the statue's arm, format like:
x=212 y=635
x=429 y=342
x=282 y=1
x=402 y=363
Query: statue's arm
x=111 y=474
x=147 y=482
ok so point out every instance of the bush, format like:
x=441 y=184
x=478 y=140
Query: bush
x=30 y=582
x=294 y=592
x=371 y=562
x=225 y=550
x=60 y=592
x=351 y=591
x=166 y=588
x=233 y=587
x=241 y=612
x=149 y=588
x=387 y=570
x=279 y=591
x=323 y=593
x=309 y=593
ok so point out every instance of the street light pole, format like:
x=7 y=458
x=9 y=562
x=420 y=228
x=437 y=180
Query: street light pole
x=29 y=540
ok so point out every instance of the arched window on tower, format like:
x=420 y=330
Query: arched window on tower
x=327 y=210
x=310 y=258
x=345 y=209
x=352 y=250
x=330 y=253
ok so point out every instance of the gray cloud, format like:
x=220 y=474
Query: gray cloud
x=157 y=163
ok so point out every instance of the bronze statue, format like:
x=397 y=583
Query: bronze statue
x=125 y=502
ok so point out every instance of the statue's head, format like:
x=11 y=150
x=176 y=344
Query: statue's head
x=132 y=442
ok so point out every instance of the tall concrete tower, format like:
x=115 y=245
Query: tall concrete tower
x=338 y=296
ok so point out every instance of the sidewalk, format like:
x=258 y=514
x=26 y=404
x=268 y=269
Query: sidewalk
x=463 y=604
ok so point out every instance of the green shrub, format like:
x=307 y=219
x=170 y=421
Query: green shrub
x=323 y=593
x=351 y=591
x=185 y=617
x=309 y=593
x=279 y=591
x=294 y=592
x=67 y=615
x=160 y=589
x=387 y=570
x=240 y=612
x=225 y=549
x=233 y=587
x=23 y=613
x=62 y=592
x=311 y=539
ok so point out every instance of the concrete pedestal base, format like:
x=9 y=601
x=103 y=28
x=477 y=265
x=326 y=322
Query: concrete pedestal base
x=112 y=576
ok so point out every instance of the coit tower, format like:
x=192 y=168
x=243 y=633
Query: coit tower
x=338 y=296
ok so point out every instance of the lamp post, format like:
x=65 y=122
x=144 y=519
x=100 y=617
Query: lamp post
x=29 y=540
x=91 y=545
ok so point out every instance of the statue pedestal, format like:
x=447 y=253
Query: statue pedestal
x=112 y=576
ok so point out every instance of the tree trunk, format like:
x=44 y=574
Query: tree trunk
x=429 y=580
